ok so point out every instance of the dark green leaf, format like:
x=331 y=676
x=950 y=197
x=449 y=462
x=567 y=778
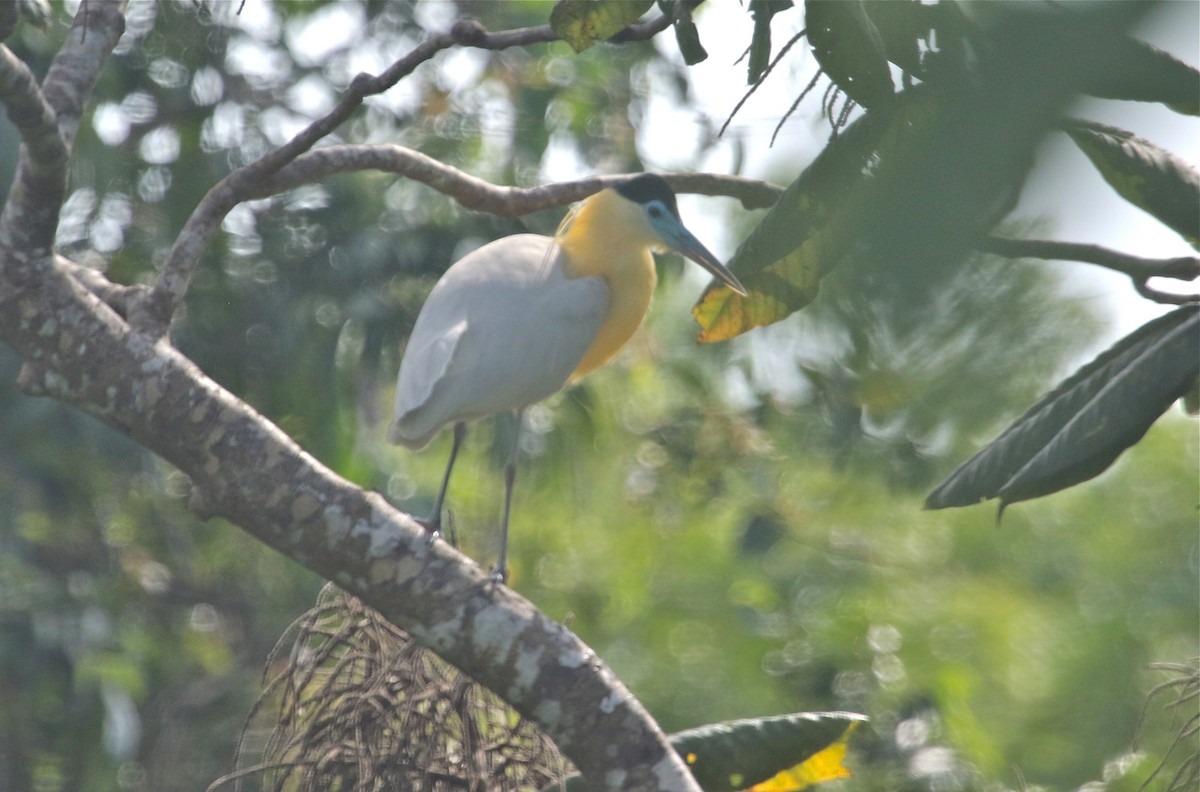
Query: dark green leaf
x=902 y=24
x=1147 y=176
x=1137 y=71
x=1079 y=429
x=688 y=38
x=760 y=42
x=849 y=48
x=725 y=757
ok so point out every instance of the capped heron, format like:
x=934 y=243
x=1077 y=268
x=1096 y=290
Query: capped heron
x=519 y=318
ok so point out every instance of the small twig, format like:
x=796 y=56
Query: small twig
x=1159 y=296
x=1139 y=269
x=811 y=84
x=646 y=30
x=761 y=78
x=477 y=194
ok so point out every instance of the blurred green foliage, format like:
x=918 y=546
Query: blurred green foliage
x=736 y=530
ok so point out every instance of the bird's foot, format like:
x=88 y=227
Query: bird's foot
x=498 y=575
x=433 y=527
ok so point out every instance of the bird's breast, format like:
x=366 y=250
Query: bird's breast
x=630 y=286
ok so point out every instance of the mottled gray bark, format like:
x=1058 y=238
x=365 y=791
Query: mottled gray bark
x=102 y=347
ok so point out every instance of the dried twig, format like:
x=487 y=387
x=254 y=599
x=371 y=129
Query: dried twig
x=1139 y=269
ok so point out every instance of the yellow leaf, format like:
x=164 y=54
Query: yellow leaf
x=583 y=22
x=824 y=766
x=781 y=288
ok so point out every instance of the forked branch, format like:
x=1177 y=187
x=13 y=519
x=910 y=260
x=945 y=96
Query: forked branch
x=154 y=314
x=1139 y=269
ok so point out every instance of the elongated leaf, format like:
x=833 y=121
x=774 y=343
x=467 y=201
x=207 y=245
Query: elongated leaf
x=921 y=175
x=902 y=26
x=1079 y=429
x=762 y=12
x=1147 y=176
x=584 y=22
x=1140 y=72
x=736 y=755
x=825 y=765
x=688 y=38
x=726 y=757
x=849 y=48
x=802 y=237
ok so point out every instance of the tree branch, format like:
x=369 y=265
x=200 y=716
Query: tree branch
x=47 y=120
x=248 y=471
x=243 y=468
x=97 y=27
x=477 y=194
x=31 y=114
x=153 y=315
x=1139 y=269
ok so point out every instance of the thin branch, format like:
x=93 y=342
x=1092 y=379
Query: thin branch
x=1140 y=270
x=75 y=69
x=153 y=316
x=762 y=78
x=47 y=120
x=477 y=194
x=1166 y=298
x=31 y=114
x=1184 y=268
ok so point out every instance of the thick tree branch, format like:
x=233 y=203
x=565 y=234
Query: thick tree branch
x=248 y=471
x=78 y=349
x=1139 y=269
x=477 y=194
x=154 y=314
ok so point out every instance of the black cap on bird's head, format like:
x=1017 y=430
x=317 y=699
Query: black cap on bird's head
x=646 y=187
x=656 y=198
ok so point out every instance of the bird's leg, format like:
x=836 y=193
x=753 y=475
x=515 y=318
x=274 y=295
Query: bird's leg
x=500 y=573
x=434 y=523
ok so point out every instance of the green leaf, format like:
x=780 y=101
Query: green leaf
x=1140 y=72
x=688 y=38
x=725 y=757
x=800 y=239
x=919 y=176
x=582 y=23
x=849 y=48
x=902 y=26
x=1075 y=432
x=760 y=41
x=730 y=756
x=1147 y=176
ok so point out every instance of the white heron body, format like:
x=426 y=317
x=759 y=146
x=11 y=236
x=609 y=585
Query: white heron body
x=480 y=345
x=512 y=322
x=519 y=318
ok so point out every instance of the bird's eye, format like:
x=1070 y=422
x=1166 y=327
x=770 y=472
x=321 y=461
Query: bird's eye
x=655 y=212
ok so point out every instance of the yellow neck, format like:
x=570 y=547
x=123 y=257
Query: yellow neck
x=608 y=237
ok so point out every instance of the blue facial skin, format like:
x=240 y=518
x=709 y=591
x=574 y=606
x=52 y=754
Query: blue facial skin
x=674 y=235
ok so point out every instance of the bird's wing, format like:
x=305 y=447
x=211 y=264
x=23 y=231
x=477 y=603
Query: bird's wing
x=502 y=329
